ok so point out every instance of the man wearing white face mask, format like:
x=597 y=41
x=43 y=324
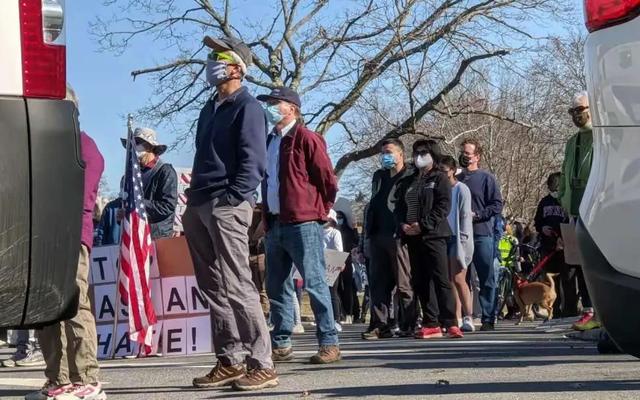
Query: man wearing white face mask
x=159 y=181
x=229 y=164
x=422 y=210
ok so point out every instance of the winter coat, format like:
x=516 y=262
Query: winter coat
x=434 y=199
x=161 y=200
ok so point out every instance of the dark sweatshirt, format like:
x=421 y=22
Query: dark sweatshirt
x=550 y=213
x=486 y=200
x=231 y=151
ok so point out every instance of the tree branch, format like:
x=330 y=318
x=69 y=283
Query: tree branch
x=406 y=126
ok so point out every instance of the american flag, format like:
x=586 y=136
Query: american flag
x=135 y=251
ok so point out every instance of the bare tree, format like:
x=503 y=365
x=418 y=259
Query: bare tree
x=520 y=115
x=344 y=57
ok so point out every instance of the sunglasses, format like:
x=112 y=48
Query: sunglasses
x=421 y=152
x=217 y=56
x=578 y=110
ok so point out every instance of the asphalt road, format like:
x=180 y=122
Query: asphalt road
x=511 y=363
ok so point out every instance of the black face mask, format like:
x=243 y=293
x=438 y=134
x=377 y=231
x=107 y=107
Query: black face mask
x=464 y=160
x=580 y=120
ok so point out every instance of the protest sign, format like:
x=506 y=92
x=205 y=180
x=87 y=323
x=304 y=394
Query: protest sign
x=334 y=263
x=572 y=255
x=184 y=323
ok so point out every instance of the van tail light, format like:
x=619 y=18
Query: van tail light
x=603 y=13
x=43 y=48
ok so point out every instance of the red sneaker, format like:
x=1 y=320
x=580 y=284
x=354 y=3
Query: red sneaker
x=428 y=333
x=582 y=322
x=453 y=332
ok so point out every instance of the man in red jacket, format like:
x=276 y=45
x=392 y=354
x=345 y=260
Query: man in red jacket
x=298 y=192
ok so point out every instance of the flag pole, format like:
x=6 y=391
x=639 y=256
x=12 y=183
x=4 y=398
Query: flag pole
x=117 y=305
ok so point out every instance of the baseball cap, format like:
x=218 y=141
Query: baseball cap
x=284 y=94
x=230 y=43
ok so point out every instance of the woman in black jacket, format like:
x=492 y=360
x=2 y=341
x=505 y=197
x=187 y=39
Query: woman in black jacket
x=424 y=200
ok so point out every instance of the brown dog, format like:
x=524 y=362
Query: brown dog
x=529 y=293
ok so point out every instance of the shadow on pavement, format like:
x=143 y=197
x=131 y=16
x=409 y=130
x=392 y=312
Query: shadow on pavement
x=469 y=388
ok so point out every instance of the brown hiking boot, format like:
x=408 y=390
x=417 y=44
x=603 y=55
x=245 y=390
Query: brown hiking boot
x=256 y=379
x=220 y=376
x=282 y=355
x=326 y=355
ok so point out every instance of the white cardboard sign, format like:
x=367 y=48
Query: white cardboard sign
x=174 y=296
x=174 y=337
x=103 y=264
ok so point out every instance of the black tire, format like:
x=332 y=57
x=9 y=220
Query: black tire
x=503 y=289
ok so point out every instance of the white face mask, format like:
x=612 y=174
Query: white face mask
x=140 y=149
x=424 y=161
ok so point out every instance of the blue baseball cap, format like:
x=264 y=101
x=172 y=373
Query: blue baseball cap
x=284 y=94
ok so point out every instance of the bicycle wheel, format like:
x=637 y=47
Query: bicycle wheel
x=503 y=290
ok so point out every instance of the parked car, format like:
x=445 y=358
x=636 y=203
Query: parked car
x=41 y=183
x=609 y=229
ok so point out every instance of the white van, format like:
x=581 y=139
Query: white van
x=41 y=172
x=609 y=230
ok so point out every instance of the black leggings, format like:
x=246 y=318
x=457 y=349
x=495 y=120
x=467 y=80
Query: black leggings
x=347 y=289
x=335 y=302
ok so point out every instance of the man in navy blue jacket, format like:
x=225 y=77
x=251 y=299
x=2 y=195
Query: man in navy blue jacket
x=486 y=205
x=229 y=164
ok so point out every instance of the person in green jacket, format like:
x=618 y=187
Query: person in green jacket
x=578 y=157
x=575 y=174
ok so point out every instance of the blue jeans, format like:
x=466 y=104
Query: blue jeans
x=483 y=256
x=302 y=245
x=24 y=344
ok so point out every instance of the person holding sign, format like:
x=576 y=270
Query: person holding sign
x=423 y=205
x=333 y=241
x=298 y=193
x=228 y=167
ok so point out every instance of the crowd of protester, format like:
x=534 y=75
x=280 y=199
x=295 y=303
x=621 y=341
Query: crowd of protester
x=426 y=258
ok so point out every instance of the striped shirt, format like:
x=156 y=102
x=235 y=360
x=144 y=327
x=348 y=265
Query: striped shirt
x=411 y=199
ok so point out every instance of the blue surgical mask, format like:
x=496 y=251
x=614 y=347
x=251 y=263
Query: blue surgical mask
x=273 y=114
x=216 y=72
x=388 y=161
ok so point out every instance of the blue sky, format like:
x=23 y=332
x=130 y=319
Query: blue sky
x=106 y=90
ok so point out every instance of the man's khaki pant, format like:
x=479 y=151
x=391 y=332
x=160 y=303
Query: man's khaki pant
x=69 y=347
x=219 y=246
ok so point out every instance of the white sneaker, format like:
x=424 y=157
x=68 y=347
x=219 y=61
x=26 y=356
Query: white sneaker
x=348 y=320
x=338 y=327
x=49 y=391
x=84 y=392
x=298 y=329
x=467 y=325
x=33 y=359
x=11 y=361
